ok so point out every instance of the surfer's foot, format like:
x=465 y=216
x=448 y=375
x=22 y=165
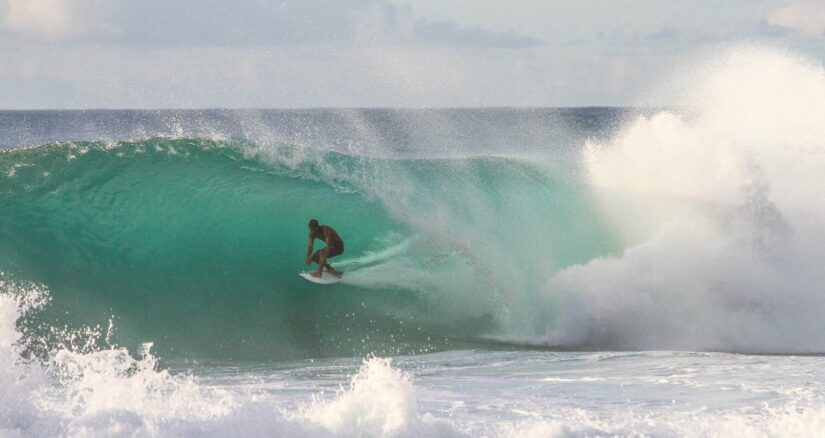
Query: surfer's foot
x=332 y=271
x=315 y=274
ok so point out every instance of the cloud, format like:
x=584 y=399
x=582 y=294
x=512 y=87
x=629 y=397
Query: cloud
x=766 y=29
x=663 y=34
x=51 y=20
x=804 y=16
x=446 y=33
x=637 y=36
x=250 y=23
x=241 y=23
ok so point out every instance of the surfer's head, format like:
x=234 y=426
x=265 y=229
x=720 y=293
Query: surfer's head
x=313 y=225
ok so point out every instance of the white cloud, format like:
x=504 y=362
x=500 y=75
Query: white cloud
x=44 y=19
x=47 y=19
x=804 y=16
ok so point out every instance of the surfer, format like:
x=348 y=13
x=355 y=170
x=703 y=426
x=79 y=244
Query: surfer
x=335 y=246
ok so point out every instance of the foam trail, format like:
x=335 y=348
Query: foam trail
x=375 y=257
x=722 y=213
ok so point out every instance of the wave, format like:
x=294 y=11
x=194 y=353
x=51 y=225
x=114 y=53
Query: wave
x=695 y=229
x=195 y=244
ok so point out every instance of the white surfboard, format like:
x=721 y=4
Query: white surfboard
x=326 y=278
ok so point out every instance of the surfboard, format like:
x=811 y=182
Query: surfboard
x=326 y=278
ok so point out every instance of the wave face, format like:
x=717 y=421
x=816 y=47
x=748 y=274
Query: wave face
x=196 y=244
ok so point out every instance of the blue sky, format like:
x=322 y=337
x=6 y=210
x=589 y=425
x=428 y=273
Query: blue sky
x=373 y=53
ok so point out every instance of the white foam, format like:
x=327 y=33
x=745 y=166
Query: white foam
x=82 y=390
x=722 y=214
x=786 y=421
x=17 y=384
x=571 y=380
x=380 y=401
x=110 y=393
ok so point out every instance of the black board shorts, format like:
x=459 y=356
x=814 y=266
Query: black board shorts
x=337 y=248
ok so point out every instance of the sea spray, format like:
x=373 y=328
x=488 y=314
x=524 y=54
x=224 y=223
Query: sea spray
x=722 y=214
x=79 y=389
x=108 y=391
x=379 y=401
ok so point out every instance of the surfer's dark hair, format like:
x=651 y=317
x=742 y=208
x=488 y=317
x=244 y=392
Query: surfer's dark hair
x=313 y=223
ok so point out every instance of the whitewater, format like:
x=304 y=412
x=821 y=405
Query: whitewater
x=509 y=272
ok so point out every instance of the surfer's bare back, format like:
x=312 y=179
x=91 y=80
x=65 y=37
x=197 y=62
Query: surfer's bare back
x=335 y=246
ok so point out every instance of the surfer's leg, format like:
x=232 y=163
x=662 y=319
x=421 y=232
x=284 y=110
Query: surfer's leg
x=335 y=249
x=322 y=261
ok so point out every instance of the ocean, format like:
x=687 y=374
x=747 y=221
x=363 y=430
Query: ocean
x=640 y=271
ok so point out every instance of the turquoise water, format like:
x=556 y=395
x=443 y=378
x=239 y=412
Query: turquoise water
x=196 y=244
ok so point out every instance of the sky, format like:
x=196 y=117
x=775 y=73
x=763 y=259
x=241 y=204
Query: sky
x=59 y=54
